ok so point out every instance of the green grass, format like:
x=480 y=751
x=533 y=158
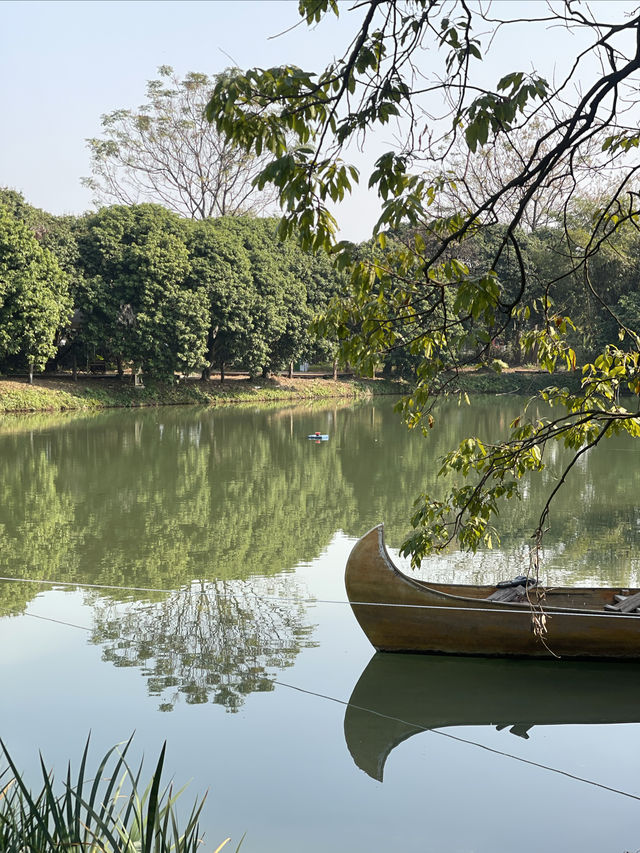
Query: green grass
x=108 y=813
x=517 y=382
x=54 y=395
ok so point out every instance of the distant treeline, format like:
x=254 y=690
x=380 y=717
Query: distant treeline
x=138 y=287
x=586 y=301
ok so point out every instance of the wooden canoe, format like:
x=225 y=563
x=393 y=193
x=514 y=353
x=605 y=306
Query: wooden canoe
x=399 y=696
x=401 y=614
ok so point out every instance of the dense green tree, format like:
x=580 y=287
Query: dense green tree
x=592 y=292
x=322 y=283
x=275 y=292
x=239 y=295
x=58 y=234
x=221 y=267
x=289 y=287
x=260 y=318
x=55 y=233
x=34 y=295
x=628 y=309
x=290 y=341
x=307 y=120
x=15 y=204
x=138 y=302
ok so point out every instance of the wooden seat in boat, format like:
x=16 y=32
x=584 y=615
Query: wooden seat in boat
x=625 y=604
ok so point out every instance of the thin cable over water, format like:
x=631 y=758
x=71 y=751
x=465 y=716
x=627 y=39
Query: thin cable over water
x=458 y=739
x=503 y=608
x=416 y=726
x=57 y=621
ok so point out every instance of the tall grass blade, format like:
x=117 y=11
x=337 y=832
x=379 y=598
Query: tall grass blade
x=112 y=816
x=153 y=805
x=80 y=787
x=34 y=810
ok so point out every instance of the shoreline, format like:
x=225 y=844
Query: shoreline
x=59 y=394
x=56 y=394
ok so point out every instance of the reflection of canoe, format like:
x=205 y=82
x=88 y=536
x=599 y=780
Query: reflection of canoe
x=401 y=614
x=410 y=693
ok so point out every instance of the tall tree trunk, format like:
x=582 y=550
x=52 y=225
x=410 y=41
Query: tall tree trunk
x=30 y=373
x=119 y=366
x=74 y=368
x=290 y=370
x=335 y=369
x=222 y=372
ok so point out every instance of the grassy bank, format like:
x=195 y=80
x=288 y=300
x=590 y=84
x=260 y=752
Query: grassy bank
x=513 y=381
x=55 y=395
x=90 y=393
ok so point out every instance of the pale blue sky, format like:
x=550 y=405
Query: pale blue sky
x=63 y=63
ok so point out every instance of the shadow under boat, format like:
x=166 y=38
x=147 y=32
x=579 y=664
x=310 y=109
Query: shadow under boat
x=398 y=696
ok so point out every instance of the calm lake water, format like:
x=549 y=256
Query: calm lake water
x=198 y=558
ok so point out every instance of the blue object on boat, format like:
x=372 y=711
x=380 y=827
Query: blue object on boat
x=318 y=436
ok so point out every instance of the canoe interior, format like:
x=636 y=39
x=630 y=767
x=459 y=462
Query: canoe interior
x=582 y=598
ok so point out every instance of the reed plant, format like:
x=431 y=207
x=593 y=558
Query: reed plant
x=108 y=813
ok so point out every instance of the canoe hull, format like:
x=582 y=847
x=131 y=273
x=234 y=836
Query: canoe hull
x=400 y=614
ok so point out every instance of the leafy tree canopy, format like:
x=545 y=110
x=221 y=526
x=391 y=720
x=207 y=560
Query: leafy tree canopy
x=138 y=303
x=221 y=267
x=56 y=233
x=34 y=295
x=169 y=294
x=418 y=65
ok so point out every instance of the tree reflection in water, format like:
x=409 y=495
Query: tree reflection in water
x=213 y=641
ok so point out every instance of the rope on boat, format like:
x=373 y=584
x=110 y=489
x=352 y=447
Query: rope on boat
x=503 y=608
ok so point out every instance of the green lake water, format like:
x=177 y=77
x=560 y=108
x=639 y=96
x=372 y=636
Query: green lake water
x=194 y=562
